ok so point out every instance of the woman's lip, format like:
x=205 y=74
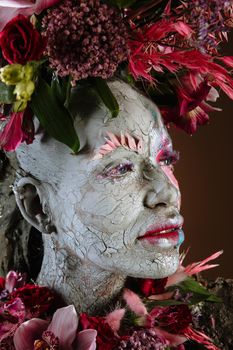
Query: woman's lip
x=160 y=231
x=166 y=238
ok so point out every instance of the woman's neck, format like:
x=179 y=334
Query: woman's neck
x=90 y=288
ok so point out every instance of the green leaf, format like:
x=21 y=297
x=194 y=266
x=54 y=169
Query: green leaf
x=168 y=302
x=191 y=285
x=6 y=93
x=107 y=96
x=53 y=116
x=200 y=293
x=62 y=89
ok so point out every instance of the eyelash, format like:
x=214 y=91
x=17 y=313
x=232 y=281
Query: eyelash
x=168 y=158
x=118 y=170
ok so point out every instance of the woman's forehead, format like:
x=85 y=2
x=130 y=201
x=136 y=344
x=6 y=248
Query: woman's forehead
x=135 y=119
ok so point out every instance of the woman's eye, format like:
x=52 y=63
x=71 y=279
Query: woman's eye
x=168 y=159
x=119 y=170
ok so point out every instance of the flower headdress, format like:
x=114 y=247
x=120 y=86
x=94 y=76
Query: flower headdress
x=169 y=49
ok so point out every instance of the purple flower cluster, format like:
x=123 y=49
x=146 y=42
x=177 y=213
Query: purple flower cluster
x=85 y=38
x=145 y=339
x=209 y=19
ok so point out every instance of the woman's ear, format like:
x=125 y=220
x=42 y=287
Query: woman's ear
x=31 y=198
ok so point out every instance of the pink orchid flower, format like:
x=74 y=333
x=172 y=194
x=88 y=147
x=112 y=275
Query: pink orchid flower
x=60 y=334
x=192 y=269
x=11 y=8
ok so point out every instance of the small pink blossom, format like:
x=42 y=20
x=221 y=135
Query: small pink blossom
x=134 y=303
x=114 y=319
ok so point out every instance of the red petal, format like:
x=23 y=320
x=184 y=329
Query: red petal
x=12 y=135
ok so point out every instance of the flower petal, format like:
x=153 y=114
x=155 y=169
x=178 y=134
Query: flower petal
x=86 y=340
x=173 y=339
x=7 y=13
x=134 y=303
x=28 y=332
x=11 y=280
x=114 y=319
x=44 y=4
x=12 y=134
x=16 y=3
x=64 y=326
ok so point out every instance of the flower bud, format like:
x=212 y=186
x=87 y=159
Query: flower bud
x=19 y=106
x=23 y=90
x=28 y=72
x=11 y=74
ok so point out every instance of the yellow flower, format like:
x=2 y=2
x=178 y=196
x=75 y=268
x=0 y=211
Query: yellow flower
x=11 y=74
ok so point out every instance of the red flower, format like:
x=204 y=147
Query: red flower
x=20 y=41
x=192 y=109
x=19 y=128
x=106 y=340
x=146 y=286
x=2 y=284
x=174 y=318
x=37 y=300
x=12 y=135
x=151 y=286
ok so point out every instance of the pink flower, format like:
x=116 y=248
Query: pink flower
x=114 y=319
x=60 y=334
x=183 y=272
x=11 y=8
x=134 y=303
x=17 y=129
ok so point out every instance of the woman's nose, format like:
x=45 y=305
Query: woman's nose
x=161 y=192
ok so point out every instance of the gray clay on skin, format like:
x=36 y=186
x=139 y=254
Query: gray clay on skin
x=96 y=218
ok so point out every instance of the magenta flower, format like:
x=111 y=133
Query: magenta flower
x=17 y=129
x=60 y=334
x=12 y=134
x=11 y=8
x=12 y=314
x=192 y=108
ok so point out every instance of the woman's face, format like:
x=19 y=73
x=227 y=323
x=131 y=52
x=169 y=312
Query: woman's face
x=118 y=205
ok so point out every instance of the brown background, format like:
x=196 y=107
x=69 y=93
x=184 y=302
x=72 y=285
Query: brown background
x=205 y=173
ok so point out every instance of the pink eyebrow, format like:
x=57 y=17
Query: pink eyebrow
x=114 y=141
